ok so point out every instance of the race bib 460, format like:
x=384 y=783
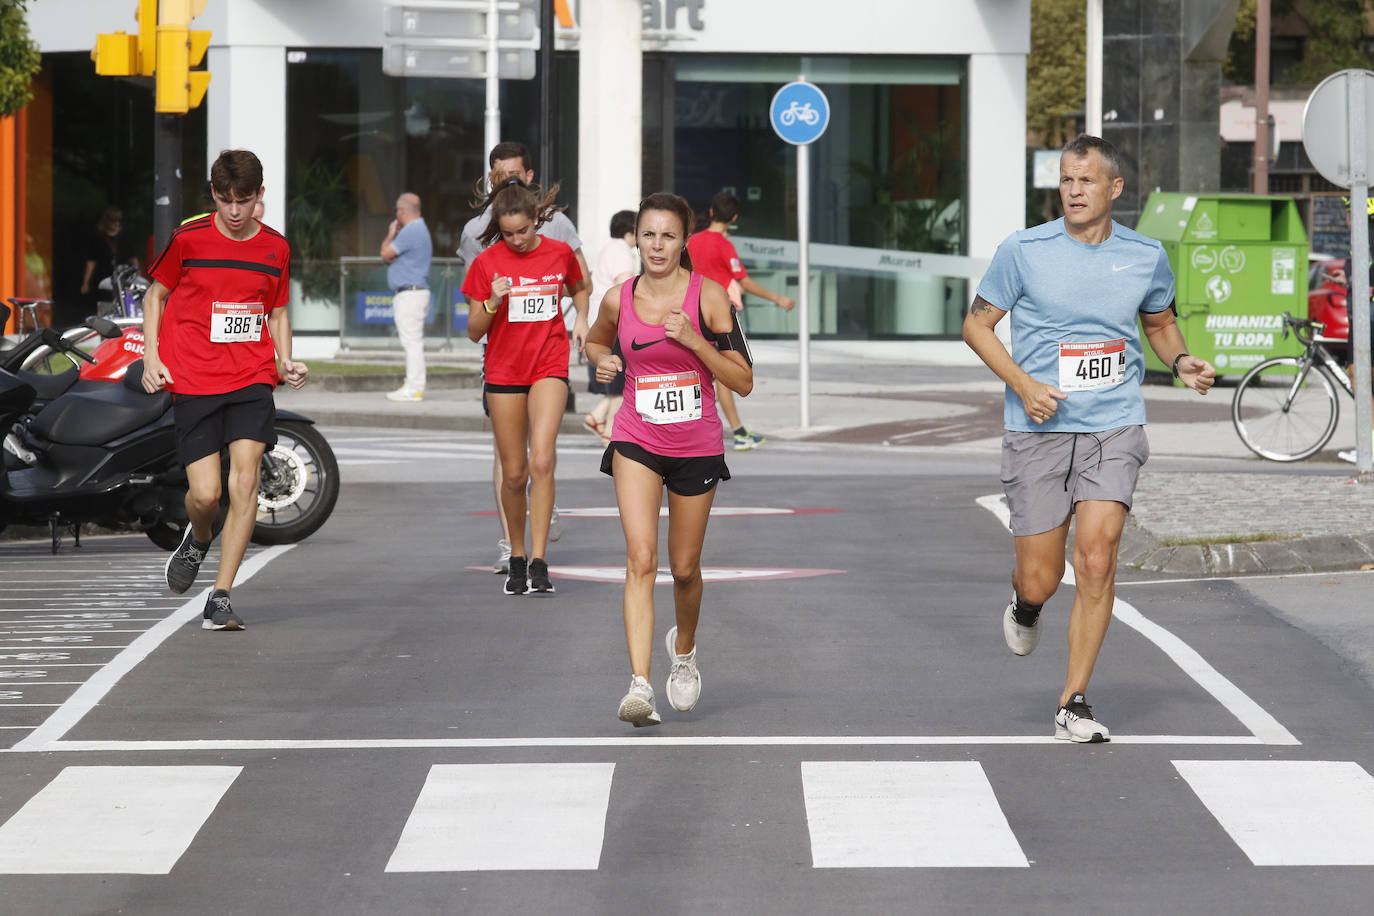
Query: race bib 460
x=1091 y=365
x=236 y=322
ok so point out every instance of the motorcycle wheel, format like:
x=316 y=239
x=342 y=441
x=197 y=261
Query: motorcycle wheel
x=166 y=535
x=298 y=486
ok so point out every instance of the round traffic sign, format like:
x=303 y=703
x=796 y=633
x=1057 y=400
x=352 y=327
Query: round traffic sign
x=800 y=113
x=1326 y=125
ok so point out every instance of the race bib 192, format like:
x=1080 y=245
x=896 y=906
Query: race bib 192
x=236 y=322
x=533 y=303
x=675 y=398
x=1092 y=365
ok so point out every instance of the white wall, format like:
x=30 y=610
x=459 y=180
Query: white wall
x=247 y=100
x=996 y=150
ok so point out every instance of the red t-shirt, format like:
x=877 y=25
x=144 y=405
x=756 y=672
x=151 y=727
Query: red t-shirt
x=537 y=279
x=214 y=336
x=714 y=256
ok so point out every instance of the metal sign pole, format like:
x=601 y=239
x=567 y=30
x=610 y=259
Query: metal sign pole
x=1359 y=276
x=803 y=280
x=492 y=133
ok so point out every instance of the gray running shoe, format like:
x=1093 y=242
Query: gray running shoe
x=749 y=440
x=502 y=564
x=637 y=706
x=1075 y=722
x=555 y=531
x=1021 y=640
x=184 y=563
x=218 y=614
x=684 y=680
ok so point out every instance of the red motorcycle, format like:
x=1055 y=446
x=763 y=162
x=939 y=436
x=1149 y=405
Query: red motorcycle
x=1327 y=295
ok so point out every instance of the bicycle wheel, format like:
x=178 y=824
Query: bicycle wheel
x=1283 y=415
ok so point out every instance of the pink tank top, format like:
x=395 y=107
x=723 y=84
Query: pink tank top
x=670 y=398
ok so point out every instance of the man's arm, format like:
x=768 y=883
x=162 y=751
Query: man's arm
x=783 y=302
x=1165 y=338
x=155 y=374
x=389 y=253
x=1039 y=399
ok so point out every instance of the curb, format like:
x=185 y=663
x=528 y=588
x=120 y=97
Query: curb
x=445 y=381
x=1320 y=553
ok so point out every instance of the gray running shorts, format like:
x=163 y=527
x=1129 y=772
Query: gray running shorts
x=1046 y=474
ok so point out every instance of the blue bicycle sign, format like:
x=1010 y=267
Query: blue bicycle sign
x=800 y=113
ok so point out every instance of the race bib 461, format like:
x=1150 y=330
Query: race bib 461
x=674 y=398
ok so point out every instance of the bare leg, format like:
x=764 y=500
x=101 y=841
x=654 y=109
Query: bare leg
x=245 y=469
x=509 y=422
x=638 y=493
x=1040 y=564
x=1094 y=562
x=545 y=404
x=496 y=487
x=687 y=518
x=202 y=496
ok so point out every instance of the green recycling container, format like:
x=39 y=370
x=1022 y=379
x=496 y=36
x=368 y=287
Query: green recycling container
x=1240 y=262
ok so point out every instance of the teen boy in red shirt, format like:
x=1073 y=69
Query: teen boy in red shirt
x=218 y=337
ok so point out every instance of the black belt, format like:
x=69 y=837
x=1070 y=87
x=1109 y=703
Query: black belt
x=406 y=289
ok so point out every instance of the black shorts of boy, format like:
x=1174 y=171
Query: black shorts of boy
x=683 y=476
x=206 y=423
x=510 y=389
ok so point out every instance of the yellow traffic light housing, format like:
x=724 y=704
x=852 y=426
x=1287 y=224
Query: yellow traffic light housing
x=115 y=54
x=179 y=48
x=147 y=36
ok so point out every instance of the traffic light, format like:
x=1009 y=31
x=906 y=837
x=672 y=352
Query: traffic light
x=179 y=48
x=115 y=54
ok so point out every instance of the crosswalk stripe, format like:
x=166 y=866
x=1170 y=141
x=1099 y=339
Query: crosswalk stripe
x=1289 y=812
x=902 y=814
x=112 y=820
x=490 y=817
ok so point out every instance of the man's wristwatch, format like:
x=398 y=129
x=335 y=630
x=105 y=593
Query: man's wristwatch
x=1176 y=359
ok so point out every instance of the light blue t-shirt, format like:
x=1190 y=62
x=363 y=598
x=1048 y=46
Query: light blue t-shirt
x=1062 y=291
x=413 y=252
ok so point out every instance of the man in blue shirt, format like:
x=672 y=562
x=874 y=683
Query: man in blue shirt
x=407 y=249
x=1074 y=412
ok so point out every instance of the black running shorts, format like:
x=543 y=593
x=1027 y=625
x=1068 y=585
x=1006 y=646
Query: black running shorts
x=683 y=476
x=206 y=423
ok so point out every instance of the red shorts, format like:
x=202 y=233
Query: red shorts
x=550 y=362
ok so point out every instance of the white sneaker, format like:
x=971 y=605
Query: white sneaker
x=684 y=680
x=555 y=532
x=404 y=394
x=1020 y=640
x=502 y=564
x=1075 y=722
x=637 y=706
x=1347 y=455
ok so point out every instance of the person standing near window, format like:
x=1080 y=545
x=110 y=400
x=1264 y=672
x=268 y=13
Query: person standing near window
x=407 y=250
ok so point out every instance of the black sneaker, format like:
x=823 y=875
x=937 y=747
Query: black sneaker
x=539 y=576
x=516 y=583
x=218 y=614
x=184 y=563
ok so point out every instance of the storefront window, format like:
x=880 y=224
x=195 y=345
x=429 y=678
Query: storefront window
x=889 y=174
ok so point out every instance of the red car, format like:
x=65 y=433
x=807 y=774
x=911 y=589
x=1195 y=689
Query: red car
x=1326 y=302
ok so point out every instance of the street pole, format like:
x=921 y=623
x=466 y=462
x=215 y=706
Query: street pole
x=1261 y=154
x=1092 y=99
x=545 y=92
x=1359 y=274
x=803 y=278
x=166 y=177
x=492 y=132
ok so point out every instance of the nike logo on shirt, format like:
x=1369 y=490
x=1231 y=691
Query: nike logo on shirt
x=636 y=345
x=1122 y=267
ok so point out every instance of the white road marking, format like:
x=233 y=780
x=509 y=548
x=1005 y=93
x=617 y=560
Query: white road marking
x=616 y=574
x=642 y=741
x=135 y=820
x=504 y=817
x=1251 y=715
x=1289 y=812
x=903 y=814
x=85 y=697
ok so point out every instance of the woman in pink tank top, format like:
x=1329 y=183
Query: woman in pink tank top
x=678 y=335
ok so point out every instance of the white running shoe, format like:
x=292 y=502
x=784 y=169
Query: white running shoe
x=1075 y=722
x=1020 y=640
x=555 y=532
x=684 y=680
x=1347 y=455
x=405 y=395
x=637 y=706
x=502 y=564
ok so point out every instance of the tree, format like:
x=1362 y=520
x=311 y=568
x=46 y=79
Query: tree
x=1333 y=30
x=1055 y=70
x=19 y=57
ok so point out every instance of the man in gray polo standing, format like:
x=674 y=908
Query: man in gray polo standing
x=407 y=249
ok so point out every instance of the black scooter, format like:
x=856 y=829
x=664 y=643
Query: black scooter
x=107 y=456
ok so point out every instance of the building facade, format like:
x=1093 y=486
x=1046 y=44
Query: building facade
x=918 y=177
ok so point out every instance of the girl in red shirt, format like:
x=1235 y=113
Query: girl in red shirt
x=513 y=290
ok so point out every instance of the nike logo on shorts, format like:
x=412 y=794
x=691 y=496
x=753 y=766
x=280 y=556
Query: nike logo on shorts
x=636 y=345
x=708 y=480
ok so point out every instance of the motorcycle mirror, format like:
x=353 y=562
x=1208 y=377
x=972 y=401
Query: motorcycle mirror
x=106 y=328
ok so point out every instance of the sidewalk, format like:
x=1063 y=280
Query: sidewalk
x=1251 y=516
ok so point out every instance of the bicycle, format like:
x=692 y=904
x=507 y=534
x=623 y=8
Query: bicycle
x=1285 y=408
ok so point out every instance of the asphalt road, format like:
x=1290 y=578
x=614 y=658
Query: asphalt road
x=391 y=734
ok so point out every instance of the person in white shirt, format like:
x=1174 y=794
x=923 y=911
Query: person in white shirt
x=614 y=265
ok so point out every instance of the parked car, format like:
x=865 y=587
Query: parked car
x=1327 y=295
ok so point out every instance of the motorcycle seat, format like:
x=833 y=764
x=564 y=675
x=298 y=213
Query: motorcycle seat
x=50 y=386
x=96 y=417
